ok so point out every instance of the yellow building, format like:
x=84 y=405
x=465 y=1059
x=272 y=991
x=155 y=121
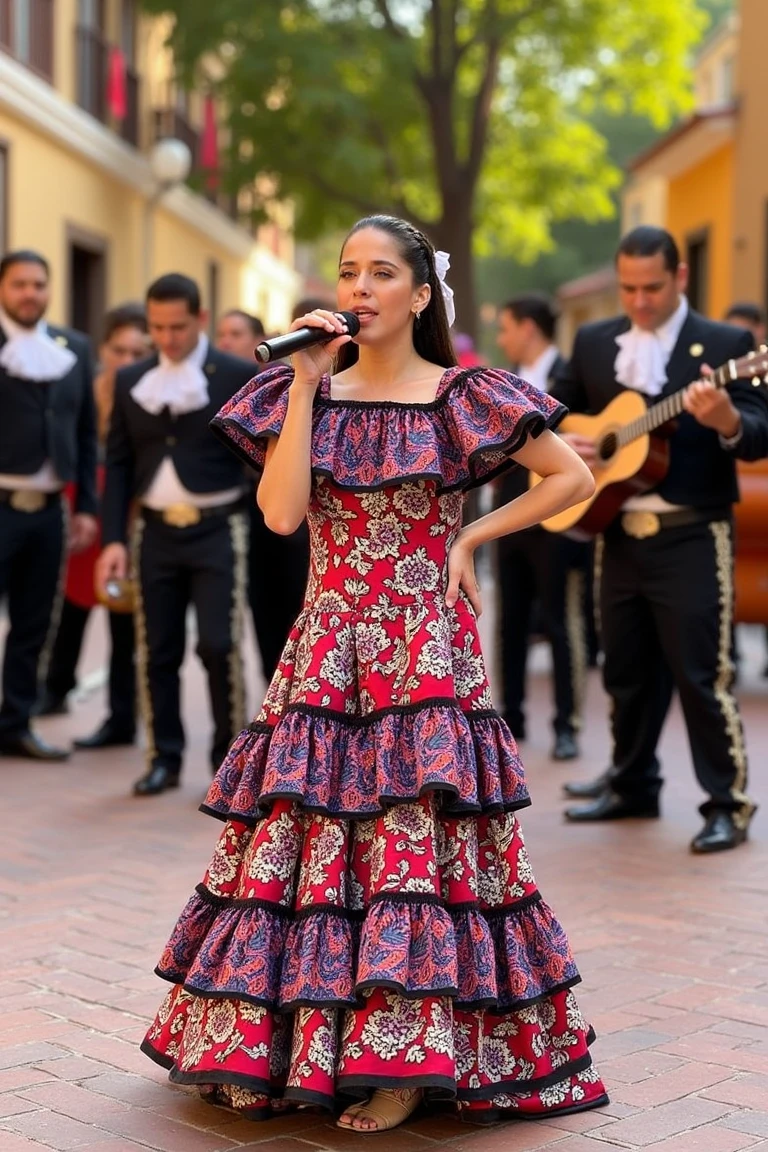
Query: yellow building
x=707 y=179
x=76 y=182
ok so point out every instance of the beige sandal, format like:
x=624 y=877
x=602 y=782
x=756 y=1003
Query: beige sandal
x=388 y=1108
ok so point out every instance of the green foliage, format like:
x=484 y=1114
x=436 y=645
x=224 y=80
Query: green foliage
x=355 y=105
x=476 y=119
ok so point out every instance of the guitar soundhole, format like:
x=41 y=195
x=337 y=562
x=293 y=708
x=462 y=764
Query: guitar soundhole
x=607 y=447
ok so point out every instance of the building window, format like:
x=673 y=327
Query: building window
x=26 y=31
x=91 y=51
x=129 y=129
x=698 y=270
x=87 y=281
x=128 y=25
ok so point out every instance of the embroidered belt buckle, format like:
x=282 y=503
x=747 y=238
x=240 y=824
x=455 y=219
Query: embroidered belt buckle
x=639 y=524
x=181 y=515
x=27 y=500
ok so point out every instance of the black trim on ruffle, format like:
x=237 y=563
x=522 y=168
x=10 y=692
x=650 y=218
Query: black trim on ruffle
x=266 y=801
x=361 y=990
x=490 y=1116
x=520 y=905
x=487 y=1092
x=357 y=721
x=443 y=392
x=532 y=424
x=493 y=1008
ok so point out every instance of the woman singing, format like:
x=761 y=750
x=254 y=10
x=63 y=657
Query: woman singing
x=370 y=920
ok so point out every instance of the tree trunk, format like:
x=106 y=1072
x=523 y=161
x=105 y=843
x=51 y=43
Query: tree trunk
x=454 y=235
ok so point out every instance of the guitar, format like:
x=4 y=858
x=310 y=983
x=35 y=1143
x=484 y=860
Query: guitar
x=629 y=459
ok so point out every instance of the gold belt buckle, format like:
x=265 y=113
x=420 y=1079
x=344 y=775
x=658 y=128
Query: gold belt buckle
x=27 y=500
x=181 y=515
x=639 y=524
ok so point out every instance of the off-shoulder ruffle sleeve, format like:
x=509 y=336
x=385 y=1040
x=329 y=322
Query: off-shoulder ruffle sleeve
x=488 y=414
x=254 y=414
x=460 y=440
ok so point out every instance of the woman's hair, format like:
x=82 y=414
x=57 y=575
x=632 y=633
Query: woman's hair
x=124 y=316
x=431 y=333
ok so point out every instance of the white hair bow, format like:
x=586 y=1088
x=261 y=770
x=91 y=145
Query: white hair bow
x=442 y=264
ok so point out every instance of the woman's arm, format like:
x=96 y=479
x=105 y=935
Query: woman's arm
x=566 y=480
x=283 y=492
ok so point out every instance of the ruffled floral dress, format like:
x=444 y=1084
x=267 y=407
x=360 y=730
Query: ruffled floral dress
x=370 y=917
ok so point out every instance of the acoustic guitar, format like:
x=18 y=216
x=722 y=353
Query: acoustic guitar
x=630 y=460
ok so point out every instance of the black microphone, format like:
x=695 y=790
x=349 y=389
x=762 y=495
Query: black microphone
x=291 y=342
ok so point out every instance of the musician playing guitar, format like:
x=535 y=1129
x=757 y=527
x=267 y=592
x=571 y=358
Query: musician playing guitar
x=666 y=597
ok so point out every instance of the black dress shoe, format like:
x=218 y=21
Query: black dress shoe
x=590 y=789
x=47 y=704
x=565 y=747
x=157 y=779
x=107 y=736
x=718 y=834
x=610 y=806
x=29 y=746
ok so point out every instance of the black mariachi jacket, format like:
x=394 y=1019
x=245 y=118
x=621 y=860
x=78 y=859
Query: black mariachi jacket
x=58 y=423
x=139 y=441
x=514 y=482
x=702 y=474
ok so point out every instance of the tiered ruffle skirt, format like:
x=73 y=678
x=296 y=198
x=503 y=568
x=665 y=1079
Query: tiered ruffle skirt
x=370 y=918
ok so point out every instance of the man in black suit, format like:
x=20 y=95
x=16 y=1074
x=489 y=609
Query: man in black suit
x=47 y=439
x=667 y=560
x=190 y=532
x=535 y=566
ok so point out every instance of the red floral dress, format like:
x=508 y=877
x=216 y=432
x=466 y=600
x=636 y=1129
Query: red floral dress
x=370 y=917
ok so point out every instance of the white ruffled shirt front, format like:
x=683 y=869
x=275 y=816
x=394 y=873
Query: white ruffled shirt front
x=179 y=386
x=32 y=353
x=642 y=358
x=538 y=372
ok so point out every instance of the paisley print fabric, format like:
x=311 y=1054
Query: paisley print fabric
x=370 y=915
x=463 y=438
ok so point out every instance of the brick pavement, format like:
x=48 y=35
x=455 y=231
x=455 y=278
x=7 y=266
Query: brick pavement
x=671 y=947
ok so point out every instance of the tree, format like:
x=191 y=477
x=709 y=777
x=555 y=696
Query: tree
x=469 y=117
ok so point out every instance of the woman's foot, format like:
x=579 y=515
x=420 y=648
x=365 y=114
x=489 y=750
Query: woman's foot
x=386 y=1109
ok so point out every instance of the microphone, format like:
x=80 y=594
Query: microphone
x=291 y=342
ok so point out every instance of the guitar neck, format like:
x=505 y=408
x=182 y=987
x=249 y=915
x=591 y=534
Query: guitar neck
x=670 y=407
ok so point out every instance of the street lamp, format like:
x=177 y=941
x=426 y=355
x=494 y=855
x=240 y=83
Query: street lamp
x=170 y=162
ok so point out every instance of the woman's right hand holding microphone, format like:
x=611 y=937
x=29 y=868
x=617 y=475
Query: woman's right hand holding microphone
x=310 y=365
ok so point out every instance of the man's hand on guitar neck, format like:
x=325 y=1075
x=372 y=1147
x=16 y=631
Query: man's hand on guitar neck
x=712 y=407
x=582 y=446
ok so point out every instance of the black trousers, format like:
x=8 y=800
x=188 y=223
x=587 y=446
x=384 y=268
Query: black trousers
x=536 y=567
x=31 y=573
x=204 y=565
x=667 y=607
x=62 y=670
x=277 y=581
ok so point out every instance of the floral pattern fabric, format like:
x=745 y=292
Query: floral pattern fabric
x=370 y=915
x=463 y=438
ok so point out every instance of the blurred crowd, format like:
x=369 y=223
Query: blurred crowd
x=171 y=521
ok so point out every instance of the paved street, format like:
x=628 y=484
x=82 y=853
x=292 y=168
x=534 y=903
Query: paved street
x=672 y=949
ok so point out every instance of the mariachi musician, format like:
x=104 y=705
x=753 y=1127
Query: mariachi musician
x=667 y=561
x=190 y=533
